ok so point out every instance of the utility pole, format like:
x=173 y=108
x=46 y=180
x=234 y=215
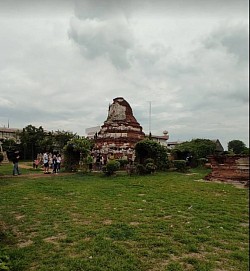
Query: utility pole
x=149 y=119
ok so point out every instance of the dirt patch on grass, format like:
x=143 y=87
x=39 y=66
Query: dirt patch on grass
x=244 y=225
x=19 y=217
x=54 y=239
x=107 y=222
x=134 y=223
x=37 y=175
x=25 y=244
x=26 y=166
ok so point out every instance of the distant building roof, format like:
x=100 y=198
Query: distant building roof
x=92 y=131
x=9 y=133
x=9 y=130
x=219 y=146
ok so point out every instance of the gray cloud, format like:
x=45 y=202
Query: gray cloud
x=234 y=38
x=96 y=8
x=111 y=39
x=35 y=9
x=187 y=57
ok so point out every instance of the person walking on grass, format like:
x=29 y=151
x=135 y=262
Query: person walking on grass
x=15 y=163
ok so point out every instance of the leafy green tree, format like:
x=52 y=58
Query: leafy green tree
x=55 y=141
x=77 y=148
x=147 y=148
x=30 y=138
x=197 y=148
x=237 y=146
x=61 y=138
x=46 y=143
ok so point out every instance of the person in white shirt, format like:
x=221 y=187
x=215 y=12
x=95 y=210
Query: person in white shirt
x=59 y=159
x=46 y=163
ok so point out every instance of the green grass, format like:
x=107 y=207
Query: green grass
x=164 y=222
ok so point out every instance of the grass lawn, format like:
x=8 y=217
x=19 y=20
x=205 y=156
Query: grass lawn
x=163 y=222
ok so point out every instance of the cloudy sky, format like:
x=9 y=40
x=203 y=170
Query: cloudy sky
x=63 y=62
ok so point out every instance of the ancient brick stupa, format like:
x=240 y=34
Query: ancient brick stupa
x=120 y=132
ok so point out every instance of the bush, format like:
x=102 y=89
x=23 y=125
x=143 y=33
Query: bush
x=149 y=160
x=150 y=168
x=140 y=169
x=180 y=165
x=111 y=167
x=4 y=263
x=202 y=162
x=147 y=149
x=131 y=169
x=147 y=168
x=122 y=162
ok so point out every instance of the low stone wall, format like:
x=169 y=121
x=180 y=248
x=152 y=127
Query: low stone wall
x=228 y=168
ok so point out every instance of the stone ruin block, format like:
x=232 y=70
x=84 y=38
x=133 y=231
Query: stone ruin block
x=229 y=168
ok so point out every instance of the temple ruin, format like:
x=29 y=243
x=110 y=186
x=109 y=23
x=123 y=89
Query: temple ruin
x=226 y=168
x=120 y=132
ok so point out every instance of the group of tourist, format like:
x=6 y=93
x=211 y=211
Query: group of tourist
x=51 y=161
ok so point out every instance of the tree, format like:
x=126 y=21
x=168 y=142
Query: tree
x=147 y=148
x=197 y=148
x=237 y=146
x=30 y=139
x=46 y=143
x=75 y=151
x=61 y=138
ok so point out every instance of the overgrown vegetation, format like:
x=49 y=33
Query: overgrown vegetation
x=148 y=149
x=180 y=165
x=196 y=149
x=111 y=167
x=35 y=140
x=238 y=147
x=76 y=152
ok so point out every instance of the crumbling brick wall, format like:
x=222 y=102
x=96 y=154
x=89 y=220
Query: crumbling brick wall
x=229 y=168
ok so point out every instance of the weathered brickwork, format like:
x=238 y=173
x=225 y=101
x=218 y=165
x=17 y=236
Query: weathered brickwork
x=120 y=132
x=229 y=168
